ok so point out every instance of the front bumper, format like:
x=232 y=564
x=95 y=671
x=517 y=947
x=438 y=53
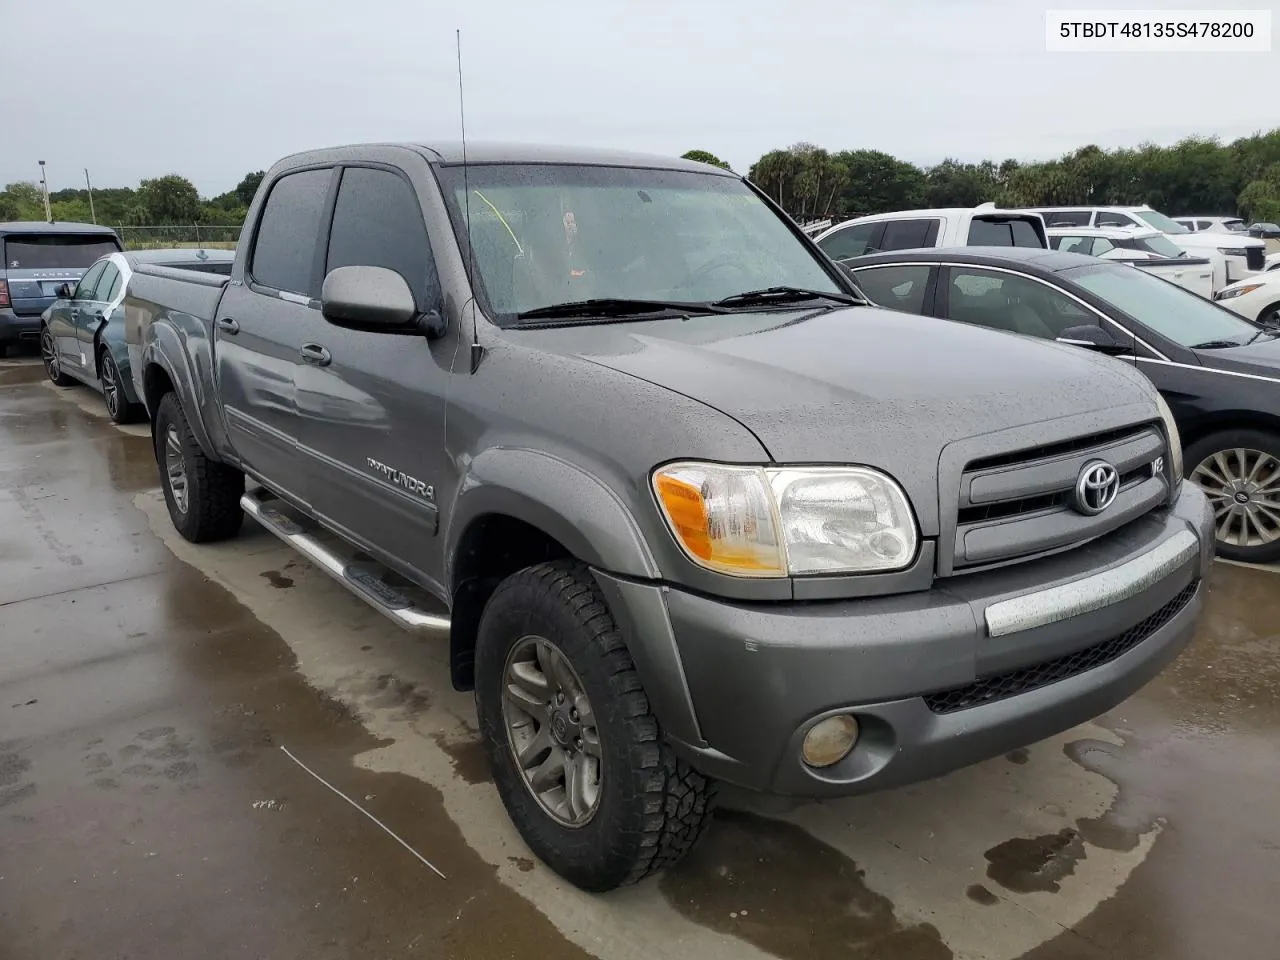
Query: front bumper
x=939 y=679
x=16 y=328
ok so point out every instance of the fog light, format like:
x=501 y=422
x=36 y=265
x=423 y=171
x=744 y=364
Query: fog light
x=830 y=741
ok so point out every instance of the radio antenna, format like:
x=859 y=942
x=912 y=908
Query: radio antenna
x=476 y=350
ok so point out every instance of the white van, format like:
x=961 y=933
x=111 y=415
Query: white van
x=981 y=226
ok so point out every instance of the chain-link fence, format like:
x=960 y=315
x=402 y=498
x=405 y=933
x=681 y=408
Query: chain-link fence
x=182 y=235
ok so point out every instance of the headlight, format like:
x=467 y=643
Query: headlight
x=1238 y=291
x=1233 y=251
x=787 y=521
x=1175 y=441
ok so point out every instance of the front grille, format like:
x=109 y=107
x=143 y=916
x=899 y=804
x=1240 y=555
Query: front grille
x=1020 y=505
x=1255 y=257
x=1000 y=686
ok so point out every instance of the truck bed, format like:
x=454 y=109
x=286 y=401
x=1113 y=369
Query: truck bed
x=190 y=297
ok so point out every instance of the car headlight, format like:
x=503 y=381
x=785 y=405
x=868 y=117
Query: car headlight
x=787 y=521
x=1238 y=291
x=1175 y=440
x=1233 y=251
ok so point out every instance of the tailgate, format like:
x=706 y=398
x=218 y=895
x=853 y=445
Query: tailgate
x=31 y=291
x=1192 y=274
x=35 y=265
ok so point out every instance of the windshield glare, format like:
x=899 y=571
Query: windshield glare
x=1160 y=245
x=1160 y=221
x=1169 y=310
x=547 y=234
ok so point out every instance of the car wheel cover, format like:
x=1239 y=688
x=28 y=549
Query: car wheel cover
x=1243 y=487
x=551 y=731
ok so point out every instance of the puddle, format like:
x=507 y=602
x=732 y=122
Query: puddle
x=470 y=759
x=1036 y=864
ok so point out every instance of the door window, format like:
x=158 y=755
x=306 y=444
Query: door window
x=1101 y=245
x=284 y=249
x=88 y=284
x=1112 y=218
x=897 y=287
x=1014 y=303
x=1002 y=232
x=853 y=241
x=378 y=222
x=909 y=234
x=1071 y=244
x=1066 y=218
x=108 y=283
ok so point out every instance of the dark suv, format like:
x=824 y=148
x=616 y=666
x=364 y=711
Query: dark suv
x=37 y=258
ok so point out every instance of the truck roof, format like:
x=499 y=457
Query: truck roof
x=448 y=152
x=58 y=226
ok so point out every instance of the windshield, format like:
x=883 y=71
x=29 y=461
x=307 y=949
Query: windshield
x=1160 y=245
x=54 y=252
x=1160 y=221
x=1169 y=310
x=548 y=234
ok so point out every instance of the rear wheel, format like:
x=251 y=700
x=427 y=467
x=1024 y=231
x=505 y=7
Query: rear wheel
x=577 y=755
x=203 y=495
x=119 y=409
x=49 y=354
x=1239 y=471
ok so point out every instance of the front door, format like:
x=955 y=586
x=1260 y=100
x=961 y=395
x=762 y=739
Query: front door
x=260 y=328
x=372 y=404
x=67 y=316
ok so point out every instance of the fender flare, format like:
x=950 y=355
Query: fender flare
x=560 y=499
x=164 y=350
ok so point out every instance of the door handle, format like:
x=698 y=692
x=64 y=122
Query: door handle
x=227 y=325
x=316 y=355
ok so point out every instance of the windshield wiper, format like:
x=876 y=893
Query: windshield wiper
x=614 y=308
x=772 y=295
x=1216 y=344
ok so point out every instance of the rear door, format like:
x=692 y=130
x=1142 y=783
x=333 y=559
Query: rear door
x=37 y=264
x=93 y=315
x=262 y=324
x=69 y=314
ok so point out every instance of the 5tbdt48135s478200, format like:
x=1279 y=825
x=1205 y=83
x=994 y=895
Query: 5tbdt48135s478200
x=700 y=514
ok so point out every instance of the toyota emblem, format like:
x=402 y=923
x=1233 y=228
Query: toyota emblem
x=1096 y=488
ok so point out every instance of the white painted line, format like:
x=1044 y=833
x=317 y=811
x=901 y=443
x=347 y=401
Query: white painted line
x=388 y=830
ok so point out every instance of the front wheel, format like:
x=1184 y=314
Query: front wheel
x=203 y=495
x=577 y=756
x=1270 y=316
x=1239 y=471
x=119 y=409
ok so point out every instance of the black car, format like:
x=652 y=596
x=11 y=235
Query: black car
x=1219 y=373
x=1265 y=231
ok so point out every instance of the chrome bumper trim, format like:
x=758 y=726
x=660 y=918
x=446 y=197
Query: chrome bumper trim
x=1092 y=593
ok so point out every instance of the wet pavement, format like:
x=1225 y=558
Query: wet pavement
x=157 y=700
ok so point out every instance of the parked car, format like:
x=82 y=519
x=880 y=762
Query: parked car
x=910 y=229
x=1219 y=373
x=82 y=335
x=1265 y=231
x=36 y=259
x=1244 y=255
x=1212 y=224
x=689 y=510
x=1146 y=249
x=1257 y=299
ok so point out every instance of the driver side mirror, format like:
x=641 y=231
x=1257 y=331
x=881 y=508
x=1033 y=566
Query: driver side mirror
x=1091 y=338
x=64 y=291
x=377 y=300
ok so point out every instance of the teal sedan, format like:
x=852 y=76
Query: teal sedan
x=82 y=332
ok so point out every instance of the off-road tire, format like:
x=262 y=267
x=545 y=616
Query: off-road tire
x=653 y=806
x=1261 y=440
x=213 y=489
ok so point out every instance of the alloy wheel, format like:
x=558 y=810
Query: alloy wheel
x=175 y=468
x=49 y=355
x=551 y=730
x=110 y=391
x=1243 y=487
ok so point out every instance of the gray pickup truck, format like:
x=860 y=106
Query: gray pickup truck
x=686 y=509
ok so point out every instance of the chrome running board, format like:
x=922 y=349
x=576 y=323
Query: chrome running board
x=387 y=592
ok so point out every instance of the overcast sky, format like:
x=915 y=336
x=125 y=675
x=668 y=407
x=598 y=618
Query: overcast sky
x=211 y=90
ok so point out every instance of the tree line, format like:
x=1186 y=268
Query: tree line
x=162 y=201
x=1198 y=175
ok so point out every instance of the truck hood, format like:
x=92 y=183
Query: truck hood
x=860 y=385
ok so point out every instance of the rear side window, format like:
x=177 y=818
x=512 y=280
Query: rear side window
x=378 y=223
x=85 y=289
x=284 y=250
x=852 y=241
x=1067 y=218
x=909 y=234
x=1111 y=218
x=109 y=284
x=54 y=252
x=1003 y=233
x=898 y=288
